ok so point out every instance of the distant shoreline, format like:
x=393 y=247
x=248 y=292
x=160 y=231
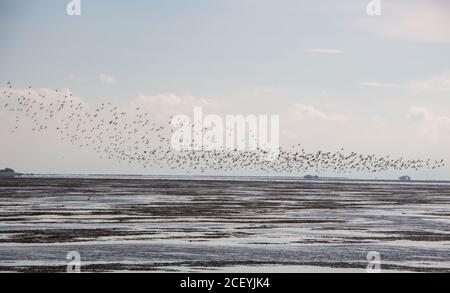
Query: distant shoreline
x=221 y=178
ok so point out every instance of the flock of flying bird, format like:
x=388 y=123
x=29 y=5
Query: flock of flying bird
x=133 y=136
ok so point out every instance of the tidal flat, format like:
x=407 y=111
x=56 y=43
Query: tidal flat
x=222 y=225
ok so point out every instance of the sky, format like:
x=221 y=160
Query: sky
x=336 y=76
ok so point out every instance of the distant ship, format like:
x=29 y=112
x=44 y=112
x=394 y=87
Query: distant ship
x=405 y=178
x=311 y=177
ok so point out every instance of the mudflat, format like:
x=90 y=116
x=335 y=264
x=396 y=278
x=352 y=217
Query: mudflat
x=190 y=225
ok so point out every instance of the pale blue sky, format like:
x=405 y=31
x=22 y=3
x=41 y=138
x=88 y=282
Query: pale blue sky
x=251 y=55
x=203 y=47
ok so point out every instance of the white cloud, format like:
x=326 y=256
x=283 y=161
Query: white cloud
x=301 y=111
x=323 y=51
x=431 y=126
x=439 y=83
x=379 y=84
x=165 y=105
x=435 y=84
x=161 y=105
x=419 y=113
x=107 y=78
x=419 y=21
x=306 y=111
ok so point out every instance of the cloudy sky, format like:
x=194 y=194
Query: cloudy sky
x=336 y=76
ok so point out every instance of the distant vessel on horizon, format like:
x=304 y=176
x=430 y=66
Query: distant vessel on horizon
x=405 y=178
x=311 y=177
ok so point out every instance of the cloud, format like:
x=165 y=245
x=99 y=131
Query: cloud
x=379 y=84
x=419 y=114
x=435 y=84
x=107 y=78
x=165 y=105
x=160 y=105
x=434 y=127
x=301 y=111
x=73 y=77
x=418 y=21
x=323 y=51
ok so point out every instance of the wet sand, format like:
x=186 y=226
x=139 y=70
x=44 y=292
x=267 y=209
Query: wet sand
x=222 y=225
